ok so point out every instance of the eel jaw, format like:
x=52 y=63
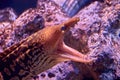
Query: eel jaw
x=67 y=53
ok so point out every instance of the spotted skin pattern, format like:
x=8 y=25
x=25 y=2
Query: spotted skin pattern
x=37 y=53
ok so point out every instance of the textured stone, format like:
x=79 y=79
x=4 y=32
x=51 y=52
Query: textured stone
x=97 y=34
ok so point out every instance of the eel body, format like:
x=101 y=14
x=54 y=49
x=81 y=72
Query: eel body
x=39 y=52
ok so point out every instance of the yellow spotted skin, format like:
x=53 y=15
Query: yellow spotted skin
x=35 y=54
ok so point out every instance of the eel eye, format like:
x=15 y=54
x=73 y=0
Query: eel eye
x=63 y=28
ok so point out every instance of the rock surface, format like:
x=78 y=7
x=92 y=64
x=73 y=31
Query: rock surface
x=97 y=33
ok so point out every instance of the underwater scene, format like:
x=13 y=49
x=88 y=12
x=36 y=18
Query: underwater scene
x=59 y=39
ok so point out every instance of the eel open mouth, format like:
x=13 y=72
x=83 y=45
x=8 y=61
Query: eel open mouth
x=67 y=53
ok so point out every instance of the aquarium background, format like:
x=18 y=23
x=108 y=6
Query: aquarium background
x=97 y=33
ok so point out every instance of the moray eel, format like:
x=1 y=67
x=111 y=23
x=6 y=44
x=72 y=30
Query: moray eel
x=39 y=52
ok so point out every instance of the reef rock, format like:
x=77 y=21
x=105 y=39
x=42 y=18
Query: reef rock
x=97 y=33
